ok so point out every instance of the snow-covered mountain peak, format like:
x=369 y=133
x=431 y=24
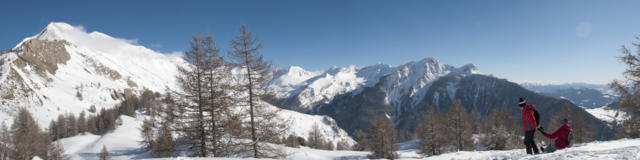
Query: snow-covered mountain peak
x=96 y=41
x=411 y=79
x=467 y=69
x=428 y=60
x=372 y=73
x=470 y=68
x=296 y=69
x=64 y=69
x=288 y=80
x=58 y=31
x=294 y=75
x=64 y=31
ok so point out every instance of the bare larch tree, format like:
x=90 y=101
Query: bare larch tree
x=431 y=133
x=256 y=73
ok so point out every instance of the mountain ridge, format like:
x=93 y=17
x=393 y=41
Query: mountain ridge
x=321 y=87
x=403 y=92
x=64 y=69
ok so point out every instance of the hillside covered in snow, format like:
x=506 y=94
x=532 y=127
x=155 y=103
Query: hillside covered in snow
x=66 y=70
x=124 y=141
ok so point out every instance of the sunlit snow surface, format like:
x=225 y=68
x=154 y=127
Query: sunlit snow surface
x=123 y=144
x=612 y=116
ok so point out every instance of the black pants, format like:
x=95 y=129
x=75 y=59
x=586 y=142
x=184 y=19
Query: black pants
x=550 y=148
x=528 y=141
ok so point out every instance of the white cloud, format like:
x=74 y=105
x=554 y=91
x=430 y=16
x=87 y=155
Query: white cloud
x=95 y=40
x=80 y=27
x=155 y=45
x=583 y=30
x=176 y=54
x=131 y=41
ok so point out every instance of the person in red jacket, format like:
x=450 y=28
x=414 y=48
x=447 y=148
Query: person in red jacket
x=530 y=121
x=561 y=135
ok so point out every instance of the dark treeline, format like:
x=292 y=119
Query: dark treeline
x=103 y=121
x=454 y=130
x=25 y=140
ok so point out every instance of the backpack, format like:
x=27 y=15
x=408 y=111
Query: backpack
x=569 y=138
x=537 y=116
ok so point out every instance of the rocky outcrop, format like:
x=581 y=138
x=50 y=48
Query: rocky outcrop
x=42 y=56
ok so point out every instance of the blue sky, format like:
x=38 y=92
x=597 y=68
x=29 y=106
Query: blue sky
x=549 y=41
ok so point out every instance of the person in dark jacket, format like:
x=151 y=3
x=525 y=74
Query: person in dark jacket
x=530 y=121
x=561 y=135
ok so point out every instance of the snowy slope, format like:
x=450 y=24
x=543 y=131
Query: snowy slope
x=619 y=149
x=123 y=142
x=65 y=69
x=612 y=116
x=301 y=124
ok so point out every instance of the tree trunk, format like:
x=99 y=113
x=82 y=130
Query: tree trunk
x=253 y=128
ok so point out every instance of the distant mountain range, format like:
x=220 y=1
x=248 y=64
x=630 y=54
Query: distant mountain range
x=355 y=96
x=583 y=94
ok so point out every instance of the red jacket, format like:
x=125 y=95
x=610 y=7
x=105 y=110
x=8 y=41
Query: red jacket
x=561 y=134
x=528 y=119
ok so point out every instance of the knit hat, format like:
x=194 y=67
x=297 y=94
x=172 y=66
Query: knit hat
x=565 y=121
x=522 y=102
